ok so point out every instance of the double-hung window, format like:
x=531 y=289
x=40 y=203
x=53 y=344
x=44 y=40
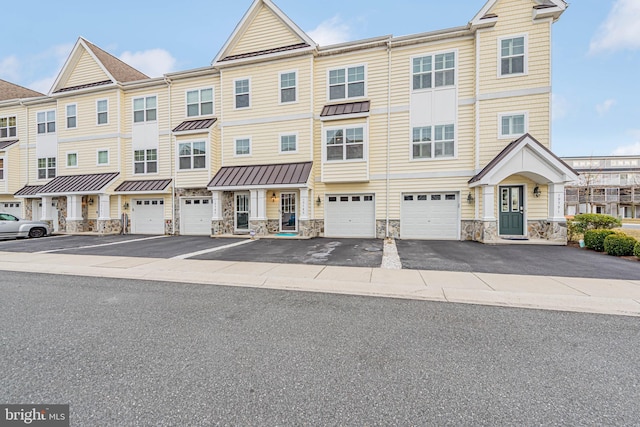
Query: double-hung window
x=145 y=109
x=434 y=71
x=72 y=159
x=347 y=83
x=431 y=142
x=242 y=93
x=46 y=121
x=243 y=147
x=512 y=56
x=288 y=83
x=288 y=143
x=512 y=125
x=46 y=167
x=145 y=161
x=72 y=116
x=103 y=157
x=102 y=111
x=192 y=155
x=345 y=144
x=8 y=127
x=200 y=102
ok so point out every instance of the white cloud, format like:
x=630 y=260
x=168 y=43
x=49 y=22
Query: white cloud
x=604 y=108
x=632 y=149
x=153 y=62
x=43 y=85
x=559 y=107
x=620 y=30
x=331 y=31
x=10 y=68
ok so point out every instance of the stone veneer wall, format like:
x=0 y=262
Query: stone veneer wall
x=311 y=228
x=394 y=228
x=553 y=231
x=110 y=226
x=187 y=192
x=28 y=210
x=540 y=229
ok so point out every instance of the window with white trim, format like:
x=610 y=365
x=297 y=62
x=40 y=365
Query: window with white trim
x=103 y=157
x=345 y=144
x=46 y=168
x=72 y=116
x=145 y=109
x=145 y=161
x=242 y=93
x=102 y=110
x=192 y=155
x=200 y=102
x=8 y=127
x=437 y=70
x=1 y=168
x=512 y=125
x=288 y=143
x=512 y=56
x=243 y=147
x=46 y=121
x=72 y=159
x=345 y=83
x=432 y=142
x=288 y=84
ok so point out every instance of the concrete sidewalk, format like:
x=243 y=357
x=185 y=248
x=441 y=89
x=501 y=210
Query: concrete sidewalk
x=618 y=297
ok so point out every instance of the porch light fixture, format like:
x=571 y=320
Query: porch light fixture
x=125 y=206
x=90 y=201
x=273 y=196
x=536 y=191
x=318 y=201
x=470 y=198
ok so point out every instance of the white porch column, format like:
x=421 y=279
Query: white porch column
x=104 y=207
x=74 y=208
x=47 y=212
x=258 y=205
x=488 y=203
x=304 y=204
x=556 y=203
x=216 y=205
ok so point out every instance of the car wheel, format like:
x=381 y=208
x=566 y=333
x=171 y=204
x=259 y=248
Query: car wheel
x=36 y=232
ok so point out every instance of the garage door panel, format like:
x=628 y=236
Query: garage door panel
x=430 y=216
x=195 y=217
x=350 y=216
x=13 y=208
x=147 y=216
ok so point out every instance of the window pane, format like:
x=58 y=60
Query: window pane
x=192 y=110
x=139 y=168
x=422 y=151
x=71 y=122
x=199 y=148
x=336 y=77
x=151 y=115
x=102 y=106
x=355 y=135
x=102 y=118
x=337 y=92
x=242 y=86
x=288 y=95
x=72 y=159
x=151 y=102
x=199 y=162
x=41 y=117
x=51 y=127
x=103 y=157
x=138 y=116
x=185 y=162
x=356 y=74
x=288 y=80
x=71 y=110
x=356 y=89
x=334 y=152
x=51 y=116
x=184 y=149
x=152 y=167
x=334 y=137
x=242 y=101
x=138 y=104
x=506 y=125
x=152 y=154
x=518 y=125
x=517 y=65
x=41 y=127
x=355 y=151
x=206 y=95
x=192 y=97
x=207 y=108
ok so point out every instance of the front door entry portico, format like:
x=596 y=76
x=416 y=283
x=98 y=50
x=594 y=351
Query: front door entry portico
x=288 y=212
x=511 y=211
x=242 y=212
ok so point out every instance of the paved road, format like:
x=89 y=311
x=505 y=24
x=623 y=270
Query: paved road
x=148 y=353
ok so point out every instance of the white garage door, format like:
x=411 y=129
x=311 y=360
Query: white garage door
x=13 y=208
x=147 y=216
x=195 y=217
x=352 y=215
x=430 y=216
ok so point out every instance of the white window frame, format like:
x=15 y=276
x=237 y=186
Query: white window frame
x=199 y=103
x=47 y=168
x=9 y=127
x=525 y=65
x=145 y=110
x=280 y=88
x=66 y=156
x=365 y=143
x=102 y=150
x=433 y=71
x=67 y=116
x=282 y=135
x=192 y=156
x=513 y=114
x=346 y=82
x=3 y=168
x=433 y=144
x=235 y=146
x=146 y=162
x=98 y=112
x=46 y=122
x=235 y=94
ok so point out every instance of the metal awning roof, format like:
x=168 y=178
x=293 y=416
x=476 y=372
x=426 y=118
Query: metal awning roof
x=262 y=175
x=92 y=183
x=143 y=186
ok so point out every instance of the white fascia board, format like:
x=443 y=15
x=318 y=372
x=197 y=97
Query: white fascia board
x=259 y=187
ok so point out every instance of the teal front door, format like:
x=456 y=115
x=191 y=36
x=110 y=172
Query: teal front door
x=511 y=211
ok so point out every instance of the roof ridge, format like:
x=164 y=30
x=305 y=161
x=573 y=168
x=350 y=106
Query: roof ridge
x=119 y=69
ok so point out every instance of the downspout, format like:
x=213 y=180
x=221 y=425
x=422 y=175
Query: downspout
x=172 y=161
x=388 y=183
x=477 y=105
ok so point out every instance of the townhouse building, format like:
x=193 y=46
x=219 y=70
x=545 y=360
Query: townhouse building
x=606 y=185
x=439 y=135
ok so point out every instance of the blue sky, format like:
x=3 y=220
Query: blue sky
x=596 y=48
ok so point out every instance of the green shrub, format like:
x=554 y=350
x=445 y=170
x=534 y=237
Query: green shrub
x=594 y=239
x=636 y=250
x=573 y=234
x=584 y=222
x=619 y=244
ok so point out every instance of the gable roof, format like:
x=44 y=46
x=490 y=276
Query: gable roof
x=305 y=41
x=115 y=70
x=555 y=7
x=13 y=91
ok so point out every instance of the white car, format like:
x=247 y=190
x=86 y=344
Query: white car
x=11 y=226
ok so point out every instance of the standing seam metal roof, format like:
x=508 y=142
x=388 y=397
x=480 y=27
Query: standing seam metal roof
x=255 y=175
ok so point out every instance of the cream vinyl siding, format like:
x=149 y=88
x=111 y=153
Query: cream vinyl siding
x=536 y=207
x=87 y=116
x=537 y=107
x=179 y=88
x=186 y=178
x=265 y=143
x=88 y=156
x=28 y=156
x=266 y=31
x=86 y=71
